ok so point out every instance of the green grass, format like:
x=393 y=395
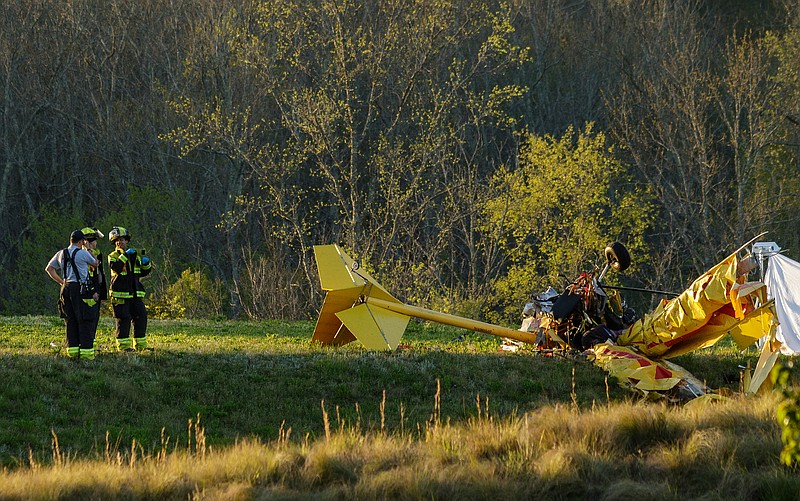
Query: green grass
x=446 y=416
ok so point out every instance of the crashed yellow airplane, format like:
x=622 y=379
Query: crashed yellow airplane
x=717 y=304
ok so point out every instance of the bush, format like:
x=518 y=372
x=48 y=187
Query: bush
x=555 y=213
x=788 y=413
x=193 y=295
x=161 y=221
x=31 y=291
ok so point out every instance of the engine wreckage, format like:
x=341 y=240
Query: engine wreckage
x=587 y=318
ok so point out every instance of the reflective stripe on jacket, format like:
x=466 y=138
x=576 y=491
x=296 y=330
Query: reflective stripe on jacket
x=124 y=283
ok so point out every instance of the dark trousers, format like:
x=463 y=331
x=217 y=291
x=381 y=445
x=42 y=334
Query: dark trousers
x=95 y=320
x=130 y=310
x=78 y=317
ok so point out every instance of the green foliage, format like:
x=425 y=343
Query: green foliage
x=366 y=111
x=556 y=212
x=778 y=176
x=166 y=225
x=788 y=413
x=376 y=124
x=193 y=295
x=32 y=291
x=162 y=223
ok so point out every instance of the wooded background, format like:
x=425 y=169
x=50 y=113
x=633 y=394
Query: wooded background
x=470 y=153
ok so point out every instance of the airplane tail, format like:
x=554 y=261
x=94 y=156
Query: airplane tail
x=345 y=315
x=358 y=307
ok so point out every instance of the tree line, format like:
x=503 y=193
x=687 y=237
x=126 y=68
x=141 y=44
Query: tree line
x=469 y=152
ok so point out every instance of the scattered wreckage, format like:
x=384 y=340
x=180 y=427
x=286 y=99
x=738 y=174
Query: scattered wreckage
x=588 y=317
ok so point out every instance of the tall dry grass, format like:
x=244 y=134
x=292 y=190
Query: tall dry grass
x=628 y=450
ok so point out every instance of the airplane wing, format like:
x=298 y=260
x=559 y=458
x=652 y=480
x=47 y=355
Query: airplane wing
x=718 y=303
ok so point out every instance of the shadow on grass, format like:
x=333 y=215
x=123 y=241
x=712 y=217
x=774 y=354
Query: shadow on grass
x=260 y=379
x=247 y=393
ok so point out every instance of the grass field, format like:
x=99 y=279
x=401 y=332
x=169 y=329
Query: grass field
x=245 y=410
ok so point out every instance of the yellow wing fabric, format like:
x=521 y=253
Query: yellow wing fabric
x=634 y=369
x=715 y=305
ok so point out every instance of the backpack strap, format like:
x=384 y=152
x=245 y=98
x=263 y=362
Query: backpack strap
x=65 y=257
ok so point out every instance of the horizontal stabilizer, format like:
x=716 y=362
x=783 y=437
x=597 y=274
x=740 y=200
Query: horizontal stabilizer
x=377 y=328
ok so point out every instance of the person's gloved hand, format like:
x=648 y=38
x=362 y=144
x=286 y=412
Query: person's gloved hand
x=130 y=252
x=145 y=260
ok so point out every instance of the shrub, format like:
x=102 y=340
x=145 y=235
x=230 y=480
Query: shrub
x=555 y=213
x=788 y=413
x=193 y=295
x=31 y=291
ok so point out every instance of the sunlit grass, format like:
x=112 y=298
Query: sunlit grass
x=725 y=450
x=445 y=417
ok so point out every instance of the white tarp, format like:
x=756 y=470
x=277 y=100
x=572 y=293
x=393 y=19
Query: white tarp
x=783 y=284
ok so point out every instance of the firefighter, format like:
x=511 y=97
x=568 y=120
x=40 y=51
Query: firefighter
x=97 y=276
x=127 y=293
x=74 y=264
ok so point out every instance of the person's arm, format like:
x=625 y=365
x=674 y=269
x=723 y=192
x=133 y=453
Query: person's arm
x=54 y=275
x=116 y=261
x=90 y=259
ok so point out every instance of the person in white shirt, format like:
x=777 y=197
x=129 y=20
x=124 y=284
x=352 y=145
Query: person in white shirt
x=73 y=263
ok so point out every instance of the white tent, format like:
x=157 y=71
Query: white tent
x=783 y=284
